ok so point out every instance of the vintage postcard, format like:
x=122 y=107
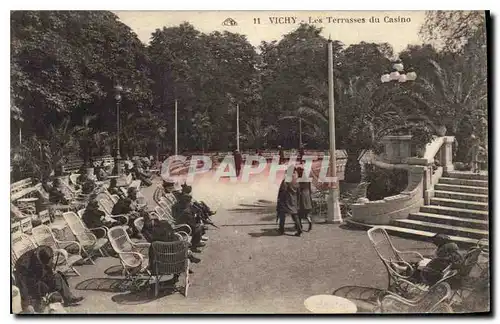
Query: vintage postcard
x=249 y=162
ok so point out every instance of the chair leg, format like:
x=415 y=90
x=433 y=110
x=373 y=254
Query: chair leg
x=186 y=285
x=75 y=271
x=157 y=285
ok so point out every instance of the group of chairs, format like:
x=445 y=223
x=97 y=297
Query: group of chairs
x=169 y=258
x=405 y=293
x=86 y=245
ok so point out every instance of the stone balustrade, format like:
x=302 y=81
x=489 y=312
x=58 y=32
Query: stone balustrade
x=422 y=176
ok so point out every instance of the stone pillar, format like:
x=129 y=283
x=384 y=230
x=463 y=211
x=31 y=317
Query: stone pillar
x=446 y=153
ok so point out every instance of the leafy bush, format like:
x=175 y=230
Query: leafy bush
x=384 y=182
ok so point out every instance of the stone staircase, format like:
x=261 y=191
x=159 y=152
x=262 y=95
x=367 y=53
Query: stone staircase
x=459 y=209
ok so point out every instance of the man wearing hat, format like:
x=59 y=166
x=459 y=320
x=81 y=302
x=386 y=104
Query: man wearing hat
x=36 y=277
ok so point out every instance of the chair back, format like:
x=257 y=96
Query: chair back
x=106 y=205
x=74 y=178
x=169 y=257
x=470 y=260
x=139 y=223
x=115 y=198
x=43 y=193
x=43 y=236
x=78 y=228
x=119 y=239
x=159 y=192
x=21 y=243
x=383 y=246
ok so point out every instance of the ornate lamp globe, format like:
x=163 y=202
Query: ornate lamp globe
x=385 y=77
x=398 y=66
x=411 y=75
x=394 y=75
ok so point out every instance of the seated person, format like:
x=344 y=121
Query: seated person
x=113 y=189
x=35 y=277
x=100 y=172
x=56 y=196
x=93 y=217
x=136 y=201
x=160 y=230
x=126 y=206
x=88 y=186
x=184 y=213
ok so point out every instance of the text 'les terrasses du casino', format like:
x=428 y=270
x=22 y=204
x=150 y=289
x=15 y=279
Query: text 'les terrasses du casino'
x=291 y=20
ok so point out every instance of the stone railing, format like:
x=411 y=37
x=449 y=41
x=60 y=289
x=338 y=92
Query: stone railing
x=422 y=176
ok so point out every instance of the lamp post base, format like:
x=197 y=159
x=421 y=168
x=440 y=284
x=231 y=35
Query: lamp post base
x=118 y=165
x=334 y=214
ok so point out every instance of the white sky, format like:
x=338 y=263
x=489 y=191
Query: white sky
x=399 y=35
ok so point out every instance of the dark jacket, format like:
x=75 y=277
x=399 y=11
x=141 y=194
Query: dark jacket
x=158 y=230
x=92 y=217
x=287 y=198
x=30 y=272
x=305 y=198
x=122 y=206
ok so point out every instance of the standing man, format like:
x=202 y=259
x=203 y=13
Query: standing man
x=301 y=153
x=288 y=202
x=238 y=160
x=281 y=154
x=305 y=199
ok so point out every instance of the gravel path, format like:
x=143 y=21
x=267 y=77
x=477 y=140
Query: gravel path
x=245 y=267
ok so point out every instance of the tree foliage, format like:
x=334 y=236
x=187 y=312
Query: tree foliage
x=65 y=65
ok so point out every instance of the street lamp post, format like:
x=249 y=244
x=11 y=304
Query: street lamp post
x=300 y=132
x=118 y=98
x=334 y=215
x=238 y=127
x=176 y=131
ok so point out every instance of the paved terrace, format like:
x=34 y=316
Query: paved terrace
x=245 y=267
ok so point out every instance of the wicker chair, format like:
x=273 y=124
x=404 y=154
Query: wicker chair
x=435 y=300
x=106 y=205
x=43 y=235
x=139 y=223
x=74 y=179
x=399 y=270
x=170 y=258
x=88 y=241
x=133 y=256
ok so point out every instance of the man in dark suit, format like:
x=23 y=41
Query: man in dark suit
x=35 y=277
x=288 y=202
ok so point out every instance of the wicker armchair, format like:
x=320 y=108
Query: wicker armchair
x=43 y=235
x=88 y=241
x=133 y=256
x=399 y=270
x=170 y=258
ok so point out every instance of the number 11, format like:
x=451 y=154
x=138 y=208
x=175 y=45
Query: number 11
x=256 y=21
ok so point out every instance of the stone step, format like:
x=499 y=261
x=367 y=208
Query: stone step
x=463 y=242
x=442 y=228
x=457 y=212
x=450 y=220
x=459 y=188
x=466 y=175
x=464 y=182
x=464 y=204
x=460 y=195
